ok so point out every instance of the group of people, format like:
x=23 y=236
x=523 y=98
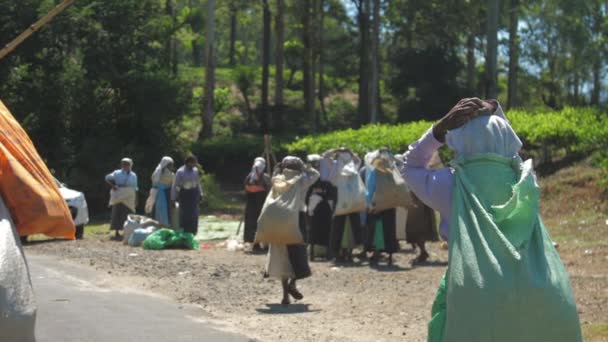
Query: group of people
x=335 y=234
x=505 y=280
x=174 y=198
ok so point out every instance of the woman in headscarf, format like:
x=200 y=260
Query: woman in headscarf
x=123 y=196
x=346 y=230
x=162 y=180
x=289 y=263
x=187 y=191
x=505 y=280
x=381 y=225
x=420 y=227
x=257 y=184
x=320 y=203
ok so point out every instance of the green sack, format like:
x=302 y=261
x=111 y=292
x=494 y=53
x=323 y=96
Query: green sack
x=505 y=281
x=169 y=238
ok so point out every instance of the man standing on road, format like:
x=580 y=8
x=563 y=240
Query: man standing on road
x=123 y=194
x=187 y=191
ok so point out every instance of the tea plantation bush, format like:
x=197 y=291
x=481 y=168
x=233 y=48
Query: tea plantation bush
x=577 y=130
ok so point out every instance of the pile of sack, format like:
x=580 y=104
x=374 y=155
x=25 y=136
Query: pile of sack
x=143 y=231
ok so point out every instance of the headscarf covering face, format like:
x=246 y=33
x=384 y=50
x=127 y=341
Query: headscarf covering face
x=160 y=168
x=293 y=162
x=485 y=134
x=259 y=165
x=399 y=160
x=315 y=160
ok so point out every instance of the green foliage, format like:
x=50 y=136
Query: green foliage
x=341 y=113
x=293 y=53
x=214 y=198
x=368 y=138
x=244 y=77
x=577 y=130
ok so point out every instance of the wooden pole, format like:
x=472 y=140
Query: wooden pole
x=8 y=48
x=267 y=148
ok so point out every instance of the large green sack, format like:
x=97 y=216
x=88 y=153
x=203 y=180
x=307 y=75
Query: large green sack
x=505 y=280
x=169 y=238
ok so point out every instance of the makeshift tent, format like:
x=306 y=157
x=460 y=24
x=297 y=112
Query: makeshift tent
x=38 y=208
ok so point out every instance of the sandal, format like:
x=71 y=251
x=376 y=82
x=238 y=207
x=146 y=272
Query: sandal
x=293 y=291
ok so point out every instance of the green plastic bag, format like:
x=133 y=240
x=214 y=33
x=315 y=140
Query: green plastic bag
x=505 y=281
x=169 y=238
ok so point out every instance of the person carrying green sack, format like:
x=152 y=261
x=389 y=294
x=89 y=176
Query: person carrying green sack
x=505 y=281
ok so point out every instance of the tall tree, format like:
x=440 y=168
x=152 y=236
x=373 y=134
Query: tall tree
x=307 y=62
x=233 y=7
x=471 y=63
x=600 y=40
x=362 y=7
x=265 y=65
x=171 y=43
x=320 y=52
x=513 y=53
x=279 y=53
x=492 y=52
x=374 y=102
x=208 y=114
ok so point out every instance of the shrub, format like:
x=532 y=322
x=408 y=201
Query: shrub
x=576 y=130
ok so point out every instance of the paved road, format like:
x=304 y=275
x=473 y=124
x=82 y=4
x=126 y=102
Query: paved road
x=78 y=304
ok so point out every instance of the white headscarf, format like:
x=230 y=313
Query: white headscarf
x=158 y=172
x=128 y=161
x=259 y=165
x=485 y=134
x=313 y=157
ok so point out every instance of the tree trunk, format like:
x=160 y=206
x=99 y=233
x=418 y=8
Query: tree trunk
x=169 y=47
x=597 y=81
x=375 y=46
x=314 y=49
x=321 y=61
x=207 y=129
x=280 y=41
x=308 y=79
x=233 y=21
x=292 y=73
x=197 y=54
x=363 y=19
x=491 y=56
x=265 y=66
x=513 y=54
x=471 y=63
x=596 y=68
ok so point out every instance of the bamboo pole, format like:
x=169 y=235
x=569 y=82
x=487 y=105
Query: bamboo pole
x=8 y=48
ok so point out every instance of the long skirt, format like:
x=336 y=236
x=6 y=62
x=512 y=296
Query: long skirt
x=320 y=224
x=253 y=208
x=338 y=231
x=382 y=236
x=421 y=224
x=162 y=210
x=289 y=261
x=119 y=216
x=188 y=210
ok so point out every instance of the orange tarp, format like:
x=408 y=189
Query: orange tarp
x=27 y=186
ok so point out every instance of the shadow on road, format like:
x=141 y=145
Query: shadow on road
x=274 y=309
